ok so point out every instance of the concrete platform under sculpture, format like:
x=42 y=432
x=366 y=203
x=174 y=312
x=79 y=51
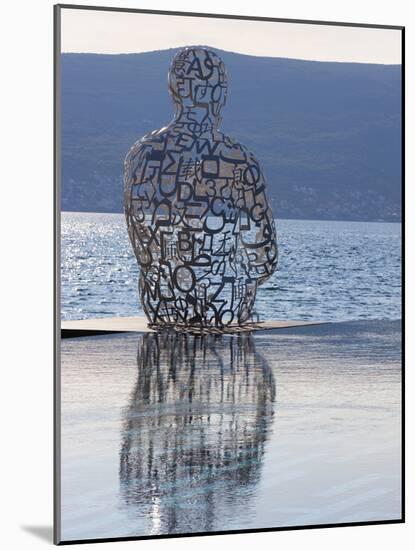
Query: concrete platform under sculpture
x=105 y=325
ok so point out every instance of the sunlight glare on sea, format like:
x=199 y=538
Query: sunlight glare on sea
x=328 y=270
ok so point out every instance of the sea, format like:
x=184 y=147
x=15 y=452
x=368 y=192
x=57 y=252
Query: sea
x=171 y=433
x=328 y=270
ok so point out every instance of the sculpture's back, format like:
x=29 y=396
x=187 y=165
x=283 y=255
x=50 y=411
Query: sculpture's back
x=196 y=208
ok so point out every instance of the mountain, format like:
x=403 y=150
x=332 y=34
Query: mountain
x=328 y=135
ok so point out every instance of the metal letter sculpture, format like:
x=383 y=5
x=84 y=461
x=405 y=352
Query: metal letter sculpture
x=196 y=208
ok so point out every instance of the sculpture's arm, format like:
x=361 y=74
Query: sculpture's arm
x=140 y=189
x=259 y=236
x=140 y=175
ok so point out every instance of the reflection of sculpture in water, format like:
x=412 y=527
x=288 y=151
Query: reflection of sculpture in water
x=196 y=207
x=195 y=430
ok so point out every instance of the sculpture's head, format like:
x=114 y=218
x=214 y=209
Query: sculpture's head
x=197 y=78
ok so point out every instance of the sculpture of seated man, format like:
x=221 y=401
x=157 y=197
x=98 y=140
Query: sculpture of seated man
x=196 y=207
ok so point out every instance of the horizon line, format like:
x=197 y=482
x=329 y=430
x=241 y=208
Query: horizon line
x=236 y=53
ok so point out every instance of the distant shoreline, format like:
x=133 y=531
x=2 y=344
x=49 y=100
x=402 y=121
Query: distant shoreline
x=277 y=218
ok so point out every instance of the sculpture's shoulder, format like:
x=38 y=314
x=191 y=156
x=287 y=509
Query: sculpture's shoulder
x=145 y=146
x=234 y=147
x=231 y=150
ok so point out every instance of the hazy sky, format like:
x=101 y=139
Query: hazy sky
x=120 y=32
